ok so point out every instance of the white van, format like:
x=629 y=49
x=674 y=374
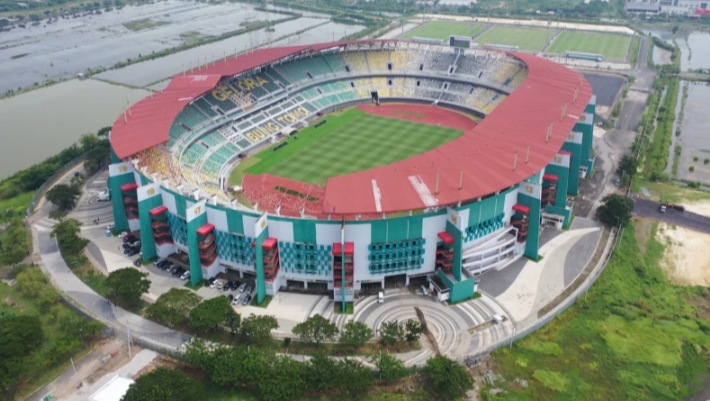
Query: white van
x=381 y=298
x=425 y=291
x=104 y=196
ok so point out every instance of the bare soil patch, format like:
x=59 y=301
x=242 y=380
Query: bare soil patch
x=685 y=260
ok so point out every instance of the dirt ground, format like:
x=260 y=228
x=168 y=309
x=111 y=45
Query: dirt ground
x=685 y=259
x=701 y=207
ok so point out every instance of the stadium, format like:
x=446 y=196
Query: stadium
x=346 y=167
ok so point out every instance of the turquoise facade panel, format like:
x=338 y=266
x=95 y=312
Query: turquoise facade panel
x=575 y=160
x=119 y=209
x=379 y=231
x=304 y=231
x=260 y=274
x=397 y=229
x=235 y=221
x=458 y=249
x=532 y=245
x=193 y=247
x=150 y=250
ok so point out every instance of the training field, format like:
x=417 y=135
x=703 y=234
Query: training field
x=529 y=39
x=611 y=46
x=348 y=142
x=444 y=29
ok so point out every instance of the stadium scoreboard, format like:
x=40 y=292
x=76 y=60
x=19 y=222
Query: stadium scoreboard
x=460 y=41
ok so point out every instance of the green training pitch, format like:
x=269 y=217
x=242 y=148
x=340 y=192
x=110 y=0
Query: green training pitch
x=348 y=142
x=609 y=45
x=529 y=39
x=444 y=29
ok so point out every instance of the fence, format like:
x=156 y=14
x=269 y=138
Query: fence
x=537 y=325
x=50 y=181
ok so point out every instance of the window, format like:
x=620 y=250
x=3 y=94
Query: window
x=352 y=84
x=347 y=68
x=419 y=83
x=421 y=67
x=389 y=82
x=389 y=66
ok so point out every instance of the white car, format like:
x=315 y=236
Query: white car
x=104 y=196
x=110 y=227
x=236 y=299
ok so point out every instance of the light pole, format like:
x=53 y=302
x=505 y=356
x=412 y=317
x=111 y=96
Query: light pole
x=512 y=337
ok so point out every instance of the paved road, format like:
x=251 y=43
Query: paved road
x=68 y=283
x=647 y=208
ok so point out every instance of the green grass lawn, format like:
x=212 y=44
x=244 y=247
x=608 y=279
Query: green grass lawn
x=444 y=29
x=669 y=192
x=141 y=24
x=529 y=39
x=635 y=336
x=346 y=143
x=611 y=46
x=15 y=206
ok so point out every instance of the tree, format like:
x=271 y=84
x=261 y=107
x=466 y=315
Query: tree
x=390 y=368
x=19 y=336
x=627 y=165
x=316 y=329
x=14 y=242
x=391 y=333
x=210 y=313
x=67 y=234
x=354 y=377
x=285 y=381
x=173 y=307
x=615 y=210
x=58 y=215
x=256 y=330
x=164 y=384
x=34 y=284
x=449 y=378
x=233 y=320
x=413 y=329
x=63 y=196
x=321 y=373
x=355 y=334
x=128 y=284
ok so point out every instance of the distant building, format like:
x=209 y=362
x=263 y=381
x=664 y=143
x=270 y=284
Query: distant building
x=643 y=7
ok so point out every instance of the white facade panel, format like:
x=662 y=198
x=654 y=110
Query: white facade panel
x=218 y=218
x=327 y=234
x=165 y=250
x=431 y=226
x=169 y=202
x=281 y=230
x=249 y=225
x=134 y=224
x=510 y=199
x=361 y=236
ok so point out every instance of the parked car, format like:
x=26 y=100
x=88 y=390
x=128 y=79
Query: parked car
x=138 y=262
x=110 y=227
x=230 y=297
x=185 y=276
x=242 y=287
x=228 y=286
x=213 y=283
x=219 y=284
x=178 y=272
x=236 y=299
x=209 y=282
x=236 y=285
x=127 y=237
x=132 y=252
x=246 y=300
x=159 y=263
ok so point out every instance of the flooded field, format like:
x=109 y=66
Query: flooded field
x=694 y=140
x=67 y=47
x=38 y=124
x=694 y=51
x=149 y=72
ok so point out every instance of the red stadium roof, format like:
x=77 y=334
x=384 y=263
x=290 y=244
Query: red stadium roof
x=147 y=123
x=485 y=156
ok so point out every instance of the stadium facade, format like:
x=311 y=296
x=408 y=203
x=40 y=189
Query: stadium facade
x=473 y=204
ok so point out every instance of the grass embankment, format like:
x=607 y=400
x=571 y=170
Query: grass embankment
x=635 y=337
x=669 y=192
x=346 y=143
x=657 y=126
x=145 y=23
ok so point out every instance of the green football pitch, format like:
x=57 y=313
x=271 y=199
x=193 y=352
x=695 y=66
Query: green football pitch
x=348 y=142
x=529 y=39
x=611 y=46
x=444 y=29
